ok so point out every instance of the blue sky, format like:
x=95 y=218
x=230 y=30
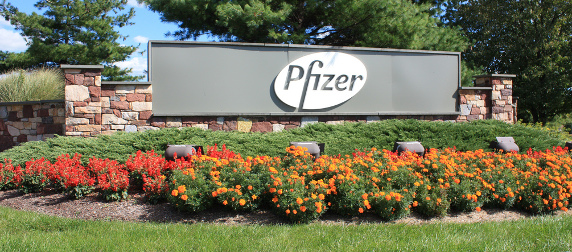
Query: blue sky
x=148 y=26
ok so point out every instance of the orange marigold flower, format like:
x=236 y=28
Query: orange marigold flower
x=415 y=203
x=225 y=202
x=175 y=193
x=387 y=197
x=238 y=187
x=242 y=202
x=272 y=190
x=287 y=211
x=294 y=211
x=427 y=198
x=275 y=199
x=214 y=194
x=457 y=181
x=184 y=197
x=254 y=197
x=249 y=187
x=321 y=196
x=182 y=188
x=364 y=196
x=360 y=210
x=299 y=201
x=303 y=208
x=478 y=209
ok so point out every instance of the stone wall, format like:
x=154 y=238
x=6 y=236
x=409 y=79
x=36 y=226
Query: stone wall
x=95 y=107
x=30 y=121
x=126 y=107
x=92 y=107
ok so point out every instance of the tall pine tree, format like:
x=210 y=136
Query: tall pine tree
x=402 y=24
x=71 y=32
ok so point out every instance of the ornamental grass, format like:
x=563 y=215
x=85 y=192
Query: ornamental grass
x=301 y=189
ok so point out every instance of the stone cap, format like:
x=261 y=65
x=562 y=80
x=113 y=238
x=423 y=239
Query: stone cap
x=495 y=75
x=475 y=88
x=68 y=66
x=126 y=83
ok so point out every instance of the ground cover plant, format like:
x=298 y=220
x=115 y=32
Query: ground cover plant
x=339 y=139
x=301 y=189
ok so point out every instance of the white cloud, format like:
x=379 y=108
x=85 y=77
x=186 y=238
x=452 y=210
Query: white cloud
x=134 y=3
x=138 y=64
x=11 y=41
x=4 y=23
x=141 y=39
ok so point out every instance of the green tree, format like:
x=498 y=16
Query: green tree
x=71 y=32
x=528 y=38
x=371 y=23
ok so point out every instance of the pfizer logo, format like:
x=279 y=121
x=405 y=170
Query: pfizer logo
x=320 y=80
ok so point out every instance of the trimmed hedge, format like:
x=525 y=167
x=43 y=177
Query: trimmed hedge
x=339 y=139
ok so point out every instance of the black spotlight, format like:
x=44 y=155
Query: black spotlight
x=182 y=151
x=409 y=146
x=505 y=144
x=314 y=148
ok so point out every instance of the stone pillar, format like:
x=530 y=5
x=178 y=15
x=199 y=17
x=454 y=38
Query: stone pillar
x=82 y=98
x=502 y=107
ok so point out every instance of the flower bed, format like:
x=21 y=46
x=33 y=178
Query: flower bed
x=300 y=189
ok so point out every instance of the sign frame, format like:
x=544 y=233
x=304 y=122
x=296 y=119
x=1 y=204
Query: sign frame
x=164 y=103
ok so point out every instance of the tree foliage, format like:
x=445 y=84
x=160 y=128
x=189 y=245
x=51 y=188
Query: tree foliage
x=528 y=38
x=370 y=23
x=71 y=32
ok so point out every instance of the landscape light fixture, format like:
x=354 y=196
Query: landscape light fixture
x=414 y=146
x=182 y=151
x=314 y=148
x=505 y=144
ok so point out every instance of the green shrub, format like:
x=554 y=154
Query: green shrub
x=42 y=84
x=339 y=139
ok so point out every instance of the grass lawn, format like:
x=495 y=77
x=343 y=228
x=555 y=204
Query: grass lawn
x=35 y=232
